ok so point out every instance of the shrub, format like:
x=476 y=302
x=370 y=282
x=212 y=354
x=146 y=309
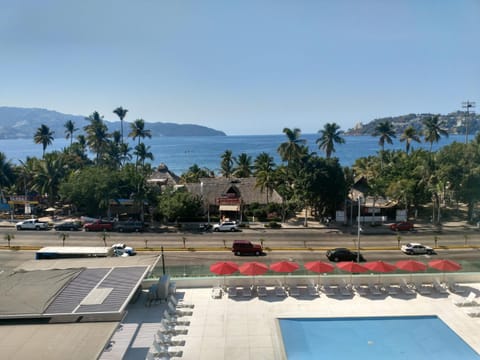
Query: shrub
x=273 y=225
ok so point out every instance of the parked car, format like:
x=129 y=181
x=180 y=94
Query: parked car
x=31 y=224
x=245 y=247
x=68 y=226
x=343 y=254
x=123 y=250
x=226 y=226
x=98 y=225
x=402 y=226
x=128 y=226
x=416 y=248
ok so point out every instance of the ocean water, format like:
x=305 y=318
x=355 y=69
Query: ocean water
x=179 y=153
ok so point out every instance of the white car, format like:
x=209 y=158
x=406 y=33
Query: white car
x=416 y=248
x=226 y=226
x=123 y=250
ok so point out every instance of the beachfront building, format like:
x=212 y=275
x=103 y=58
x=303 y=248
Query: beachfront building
x=227 y=197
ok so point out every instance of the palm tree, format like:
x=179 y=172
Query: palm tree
x=330 y=135
x=264 y=168
x=6 y=173
x=386 y=133
x=244 y=166
x=47 y=176
x=97 y=136
x=290 y=150
x=121 y=113
x=142 y=153
x=69 y=130
x=409 y=134
x=226 y=166
x=433 y=130
x=43 y=136
x=137 y=130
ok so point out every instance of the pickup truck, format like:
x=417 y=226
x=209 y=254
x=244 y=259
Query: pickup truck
x=98 y=225
x=32 y=224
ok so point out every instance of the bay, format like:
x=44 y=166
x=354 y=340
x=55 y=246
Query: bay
x=179 y=153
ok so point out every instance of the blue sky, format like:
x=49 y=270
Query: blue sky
x=244 y=67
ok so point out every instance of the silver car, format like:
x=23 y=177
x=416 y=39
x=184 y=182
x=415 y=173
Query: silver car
x=226 y=226
x=416 y=248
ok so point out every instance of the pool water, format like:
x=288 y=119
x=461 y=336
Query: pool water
x=402 y=337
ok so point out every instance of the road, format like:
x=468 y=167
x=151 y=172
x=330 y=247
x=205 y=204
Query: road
x=302 y=245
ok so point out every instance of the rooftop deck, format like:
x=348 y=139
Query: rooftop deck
x=246 y=328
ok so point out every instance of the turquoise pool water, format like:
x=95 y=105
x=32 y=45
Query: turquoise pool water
x=403 y=337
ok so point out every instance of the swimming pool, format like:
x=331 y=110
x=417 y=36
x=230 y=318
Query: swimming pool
x=392 y=337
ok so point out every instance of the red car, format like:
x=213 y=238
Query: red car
x=98 y=225
x=402 y=226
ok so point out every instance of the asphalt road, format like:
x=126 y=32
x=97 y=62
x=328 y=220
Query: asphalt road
x=302 y=245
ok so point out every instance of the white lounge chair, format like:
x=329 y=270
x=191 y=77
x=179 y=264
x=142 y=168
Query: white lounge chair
x=173 y=320
x=173 y=330
x=167 y=339
x=174 y=311
x=361 y=289
x=375 y=289
x=247 y=291
x=424 y=288
x=456 y=288
x=467 y=301
x=345 y=289
x=329 y=289
x=312 y=289
x=152 y=356
x=280 y=291
x=261 y=291
x=159 y=350
x=441 y=288
x=408 y=289
x=474 y=311
x=293 y=290
x=232 y=291
x=217 y=292
x=180 y=304
x=392 y=289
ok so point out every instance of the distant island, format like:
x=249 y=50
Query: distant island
x=454 y=123
x=21 y=123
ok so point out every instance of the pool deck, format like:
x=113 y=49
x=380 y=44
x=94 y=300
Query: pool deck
x=246 y=327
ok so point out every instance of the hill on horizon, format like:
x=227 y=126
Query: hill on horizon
x=454 y=123
x=22 y=123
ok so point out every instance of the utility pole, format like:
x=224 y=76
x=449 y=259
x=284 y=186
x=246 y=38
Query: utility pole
x=467 y=105
x=359 y=229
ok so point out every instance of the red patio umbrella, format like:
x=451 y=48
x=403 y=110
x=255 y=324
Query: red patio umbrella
x=253 y=268
x=319 y=266
x=445 y=265
x=224 y=268
x=284 y=266
x=351 y=266
x=410 y=265
x=380 y=266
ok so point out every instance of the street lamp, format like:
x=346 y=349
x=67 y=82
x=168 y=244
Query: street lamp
x=359 y=229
